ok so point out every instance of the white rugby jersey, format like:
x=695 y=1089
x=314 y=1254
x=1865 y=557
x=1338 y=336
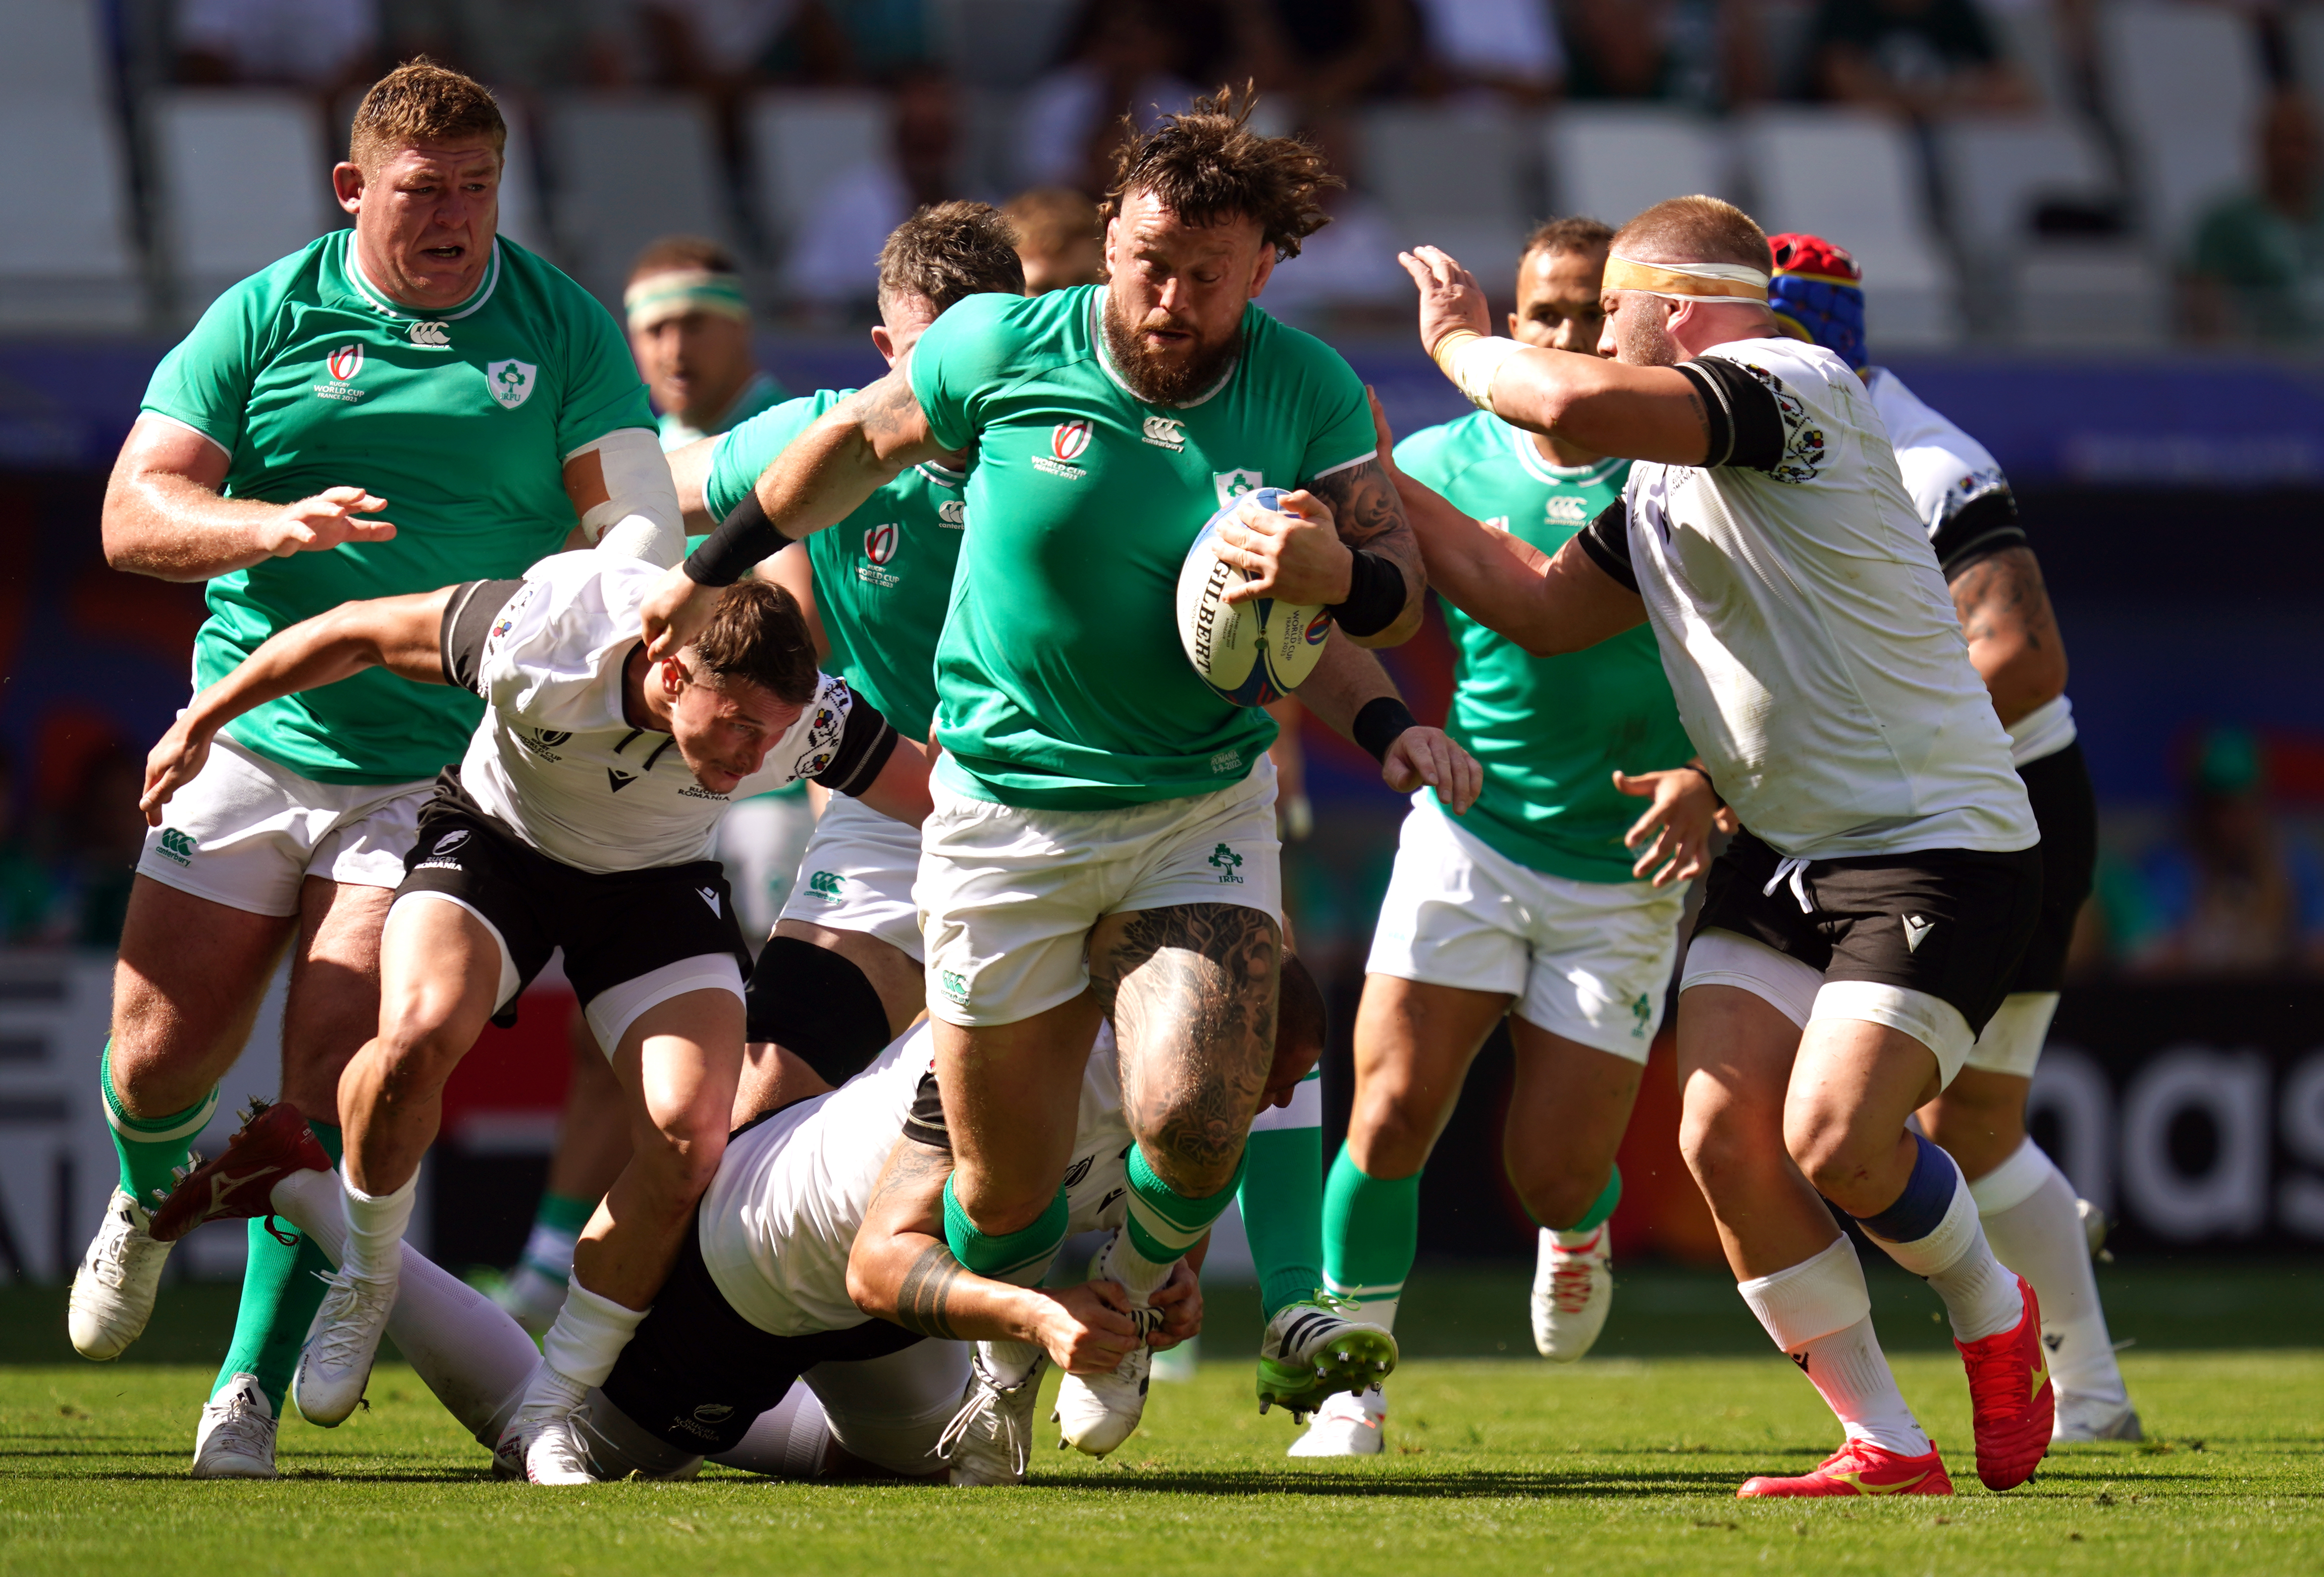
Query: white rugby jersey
x=556 y=759
x=1964 y=503
x=1814 y=653
x=782 y=1212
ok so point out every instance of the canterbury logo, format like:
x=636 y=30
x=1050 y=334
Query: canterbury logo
x=429 y=336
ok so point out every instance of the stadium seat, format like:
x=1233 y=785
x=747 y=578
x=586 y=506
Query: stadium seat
x=2028 y=36
x=1609 y=161
x=1852 y=178
x=244 y=179
x=802 y=141
x=626 y=168
x=2088 y=295
x=77 y=268
x=1453 y=178
x=1998 y=168
x=2182 y=83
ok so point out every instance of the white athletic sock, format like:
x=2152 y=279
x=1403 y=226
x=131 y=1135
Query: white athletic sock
x=549 y=1251
x=1980 y=1294
x=2027 y=1205
x=1141 y=1277
x=465 y=1348
x=1377 y=1311
x=1009 y=1362
x=1819 y=1312
x=587 y=1341
x=1569 y=1241
x=789 y=1439
x=375 y=1223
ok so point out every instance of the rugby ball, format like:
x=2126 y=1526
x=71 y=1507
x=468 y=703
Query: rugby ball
x=1250 y=653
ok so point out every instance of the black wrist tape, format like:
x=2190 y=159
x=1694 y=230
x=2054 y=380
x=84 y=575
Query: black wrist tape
x=1375 y=595
x=1380 y=724
x=743 y=539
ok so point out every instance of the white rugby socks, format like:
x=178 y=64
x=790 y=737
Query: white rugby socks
x=1819 y=1312
x=375 y=1223
x=587 y=1341
x=2029 y=1213
x=1980 y=1294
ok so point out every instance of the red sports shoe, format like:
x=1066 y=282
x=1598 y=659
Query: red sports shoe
x=239 y=1184
x=1858 y=1468
x=2009 y=1389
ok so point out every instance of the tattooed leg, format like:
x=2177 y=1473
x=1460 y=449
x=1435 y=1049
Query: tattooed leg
x=1192 y=992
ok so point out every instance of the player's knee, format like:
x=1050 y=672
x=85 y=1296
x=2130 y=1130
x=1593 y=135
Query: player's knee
x=1722 y=1143
x=686 y=1155
x=1386 y=1138
x=1554 y=1192
x=1837 y=1157
x=418 y=1048
x=816 y=1005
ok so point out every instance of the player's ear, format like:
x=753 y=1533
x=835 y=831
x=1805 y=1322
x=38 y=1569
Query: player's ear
x=347 y=185
x=1266 y=268
x=884 y=343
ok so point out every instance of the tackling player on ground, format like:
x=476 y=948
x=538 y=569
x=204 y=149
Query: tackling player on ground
x=1863 y=929
x=1531 y=907
x=556 y=831
x=413 y=366
x=1104 y=841
x=2027 y=1204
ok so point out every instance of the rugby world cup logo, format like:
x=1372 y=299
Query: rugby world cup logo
x=1067 y=439
x=879 y=544
x=346 y=361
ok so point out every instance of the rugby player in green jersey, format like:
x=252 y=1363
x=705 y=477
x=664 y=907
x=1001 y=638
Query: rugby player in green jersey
x=842 y=974
x=1104 y=840
x=415 y=364
x=1533 y=907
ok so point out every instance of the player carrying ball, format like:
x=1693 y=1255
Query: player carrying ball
x=1105 y=843
x=1862 y=930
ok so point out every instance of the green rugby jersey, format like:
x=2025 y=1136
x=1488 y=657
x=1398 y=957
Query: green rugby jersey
x=761 y=394
x=883 y=575
x=308 y=377
x=1549 y=731
x=1060 y=679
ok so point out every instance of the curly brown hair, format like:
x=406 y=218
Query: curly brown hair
x=1208 y=167
x=758 y=636
x=950 y=250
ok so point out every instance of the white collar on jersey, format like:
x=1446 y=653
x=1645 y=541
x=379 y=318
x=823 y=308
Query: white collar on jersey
x=1530 y=457
x=1105 y=358
x=378 y=301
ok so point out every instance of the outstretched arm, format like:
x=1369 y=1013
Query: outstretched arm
x=1546 y=604
x=1353 y=697
x=398 y=633
x=1640 y=414
x=900 y=1271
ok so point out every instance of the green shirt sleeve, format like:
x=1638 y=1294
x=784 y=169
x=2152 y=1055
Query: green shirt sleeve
x=1426 y=457
x=749 y=448
x=603 y=391
x=1341 y=416
x=964 y=354
x=205 y=380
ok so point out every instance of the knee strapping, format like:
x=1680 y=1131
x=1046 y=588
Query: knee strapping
x=817 y=1006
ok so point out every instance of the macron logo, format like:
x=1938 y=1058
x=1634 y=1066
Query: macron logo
x=709 y=894
x=1916 y=931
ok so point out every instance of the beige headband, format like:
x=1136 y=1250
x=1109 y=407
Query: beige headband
x=1688 y=281
x=659 y=297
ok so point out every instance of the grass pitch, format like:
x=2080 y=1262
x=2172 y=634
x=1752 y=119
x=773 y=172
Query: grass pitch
x=1494 y=1466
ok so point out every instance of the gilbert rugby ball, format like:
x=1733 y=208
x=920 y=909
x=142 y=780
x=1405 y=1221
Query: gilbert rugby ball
x=1250 y=653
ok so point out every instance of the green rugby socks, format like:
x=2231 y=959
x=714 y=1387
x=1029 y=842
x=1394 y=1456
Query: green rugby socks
x=1371 y=1232
x=1282 y=1199
x=1020 y=1258
x=151 y=1147
x=1600 y=1210
x=282 y=1289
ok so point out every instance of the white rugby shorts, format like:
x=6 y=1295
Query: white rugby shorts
x=1008 y=893
x=1587 y=959
x=246 y=832
x=857 y=874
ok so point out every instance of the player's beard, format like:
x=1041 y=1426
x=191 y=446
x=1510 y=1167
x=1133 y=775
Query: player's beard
x=1165 y=381
x=1642 y=340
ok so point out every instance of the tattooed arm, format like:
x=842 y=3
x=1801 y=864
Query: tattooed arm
x=2012 y=635
x=1307 y=551
x=900 y=1271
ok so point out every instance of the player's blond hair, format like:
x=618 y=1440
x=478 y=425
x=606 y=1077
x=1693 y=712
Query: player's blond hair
x=1208 y=167
x=1695 y=229
x=422 y=102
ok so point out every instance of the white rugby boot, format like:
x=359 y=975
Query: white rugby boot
x=1348 y=1423
x=113 y=1291
x=1095 y=1413
x=335 y=1365
x=236 y=1438
x=2095 y=1228
x=1572 y=1292
x=2086 y=1420
x=991 y=1438
x=1312 y=1352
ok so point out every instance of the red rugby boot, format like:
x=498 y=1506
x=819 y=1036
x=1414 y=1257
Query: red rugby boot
x=1858 y=1468
x=2009 y=1389
x=273 y=1140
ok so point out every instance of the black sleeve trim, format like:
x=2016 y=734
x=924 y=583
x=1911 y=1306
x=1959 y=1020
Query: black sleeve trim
x=467 y=621
x=1607 y=541
x=1746 y=424
x=1981 y=528
x=925 y=1122
x=865 y=747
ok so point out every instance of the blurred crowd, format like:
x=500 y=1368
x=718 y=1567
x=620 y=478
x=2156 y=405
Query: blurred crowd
x=2250 y=266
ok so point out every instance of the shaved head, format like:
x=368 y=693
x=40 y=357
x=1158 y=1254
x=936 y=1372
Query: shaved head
x=1695 y=229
